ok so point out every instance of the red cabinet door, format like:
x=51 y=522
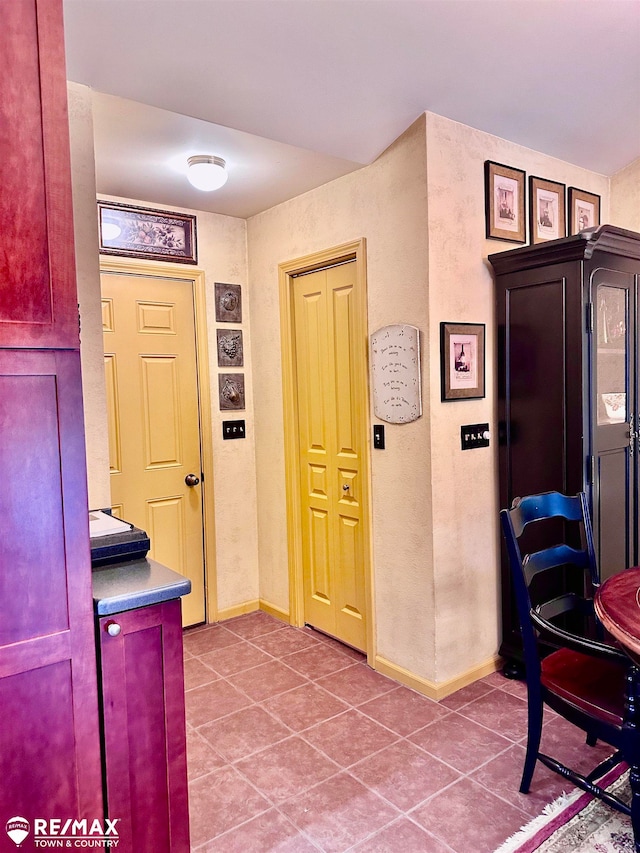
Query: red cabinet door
x=144 y=728
x=49 y=735
x=38 y=303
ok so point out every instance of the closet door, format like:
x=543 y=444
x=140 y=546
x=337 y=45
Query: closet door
x=614 y=418
x=49 y=745
x=38 y=304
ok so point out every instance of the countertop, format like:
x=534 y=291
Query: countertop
x=135 y=583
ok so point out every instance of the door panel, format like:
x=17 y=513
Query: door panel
x=49 y=745
x=161 y=410
x=38 y=304
x=329 y=339
x=613 y=512
x=144 y=729
x=614 y=380
x=154 y=436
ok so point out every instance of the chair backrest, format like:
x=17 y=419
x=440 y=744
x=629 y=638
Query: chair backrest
x=525 y=568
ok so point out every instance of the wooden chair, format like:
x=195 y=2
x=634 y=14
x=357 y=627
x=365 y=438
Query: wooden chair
x=587 y=680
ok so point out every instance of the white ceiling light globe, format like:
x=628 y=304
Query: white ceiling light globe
x=207 y=173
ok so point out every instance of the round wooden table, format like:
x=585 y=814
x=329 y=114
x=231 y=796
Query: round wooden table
x=617 y=604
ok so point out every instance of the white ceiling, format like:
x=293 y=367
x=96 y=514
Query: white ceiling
x=293 y=93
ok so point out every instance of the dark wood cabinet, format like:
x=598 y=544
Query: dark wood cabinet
x=144 y=728
x=568 y=388
x=49 y=729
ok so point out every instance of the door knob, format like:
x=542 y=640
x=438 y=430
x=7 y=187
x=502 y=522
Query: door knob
x=191 y=480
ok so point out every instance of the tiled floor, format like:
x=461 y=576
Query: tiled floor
x=296 y=745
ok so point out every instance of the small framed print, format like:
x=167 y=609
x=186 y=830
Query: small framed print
x=584 y=210
x=230 y=349
x=546 y=210
x=462 y=361
x=228 y=303
x=231 y=391
x=504 y=189
x=138 y=232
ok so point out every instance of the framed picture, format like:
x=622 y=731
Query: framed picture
x=462 y=360
x=230 y=348
x=228 y=303
x=584 y=210
x=546 y=210
x=138 y=232
x=504 y=194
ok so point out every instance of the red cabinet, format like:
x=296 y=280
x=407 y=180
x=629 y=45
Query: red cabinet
x=49 y=725
x=49 y=747
x=144 y=728
x=38 y=304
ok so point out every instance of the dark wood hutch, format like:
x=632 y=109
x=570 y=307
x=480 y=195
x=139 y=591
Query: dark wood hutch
x=568 y=388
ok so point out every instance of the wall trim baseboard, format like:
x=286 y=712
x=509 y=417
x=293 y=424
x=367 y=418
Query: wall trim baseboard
x=432 y=689
x=251 y=607
x=273 y=610
x=238 y=610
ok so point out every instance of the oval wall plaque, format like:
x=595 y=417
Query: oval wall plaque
x=395 y=363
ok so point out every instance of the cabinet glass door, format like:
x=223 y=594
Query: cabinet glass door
x=613 y=384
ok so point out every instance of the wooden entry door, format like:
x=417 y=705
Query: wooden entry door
x=330 y=365
x=154 y=432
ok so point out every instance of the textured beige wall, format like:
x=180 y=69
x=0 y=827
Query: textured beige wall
x=85 y=220
x=465 y=501
x=420 y=207
x=386 y=204
x=625 y=197
x=223 y=257
x=435 y=536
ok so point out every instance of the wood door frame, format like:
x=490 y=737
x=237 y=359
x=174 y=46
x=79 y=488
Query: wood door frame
x=196 y=277
x=355 y=251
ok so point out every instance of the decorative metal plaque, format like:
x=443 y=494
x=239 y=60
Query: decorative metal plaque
x=395 y=364
x=228 y=303
x=231 y=391
x=230 y=349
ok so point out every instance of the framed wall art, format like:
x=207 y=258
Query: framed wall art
x=138 y=232
x=228 y=303
x=546 y=210
x=584 y=210
x=230 y=348
x=504 y=190
x=462 y=361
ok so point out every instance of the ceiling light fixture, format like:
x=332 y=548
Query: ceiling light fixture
x=207 y=173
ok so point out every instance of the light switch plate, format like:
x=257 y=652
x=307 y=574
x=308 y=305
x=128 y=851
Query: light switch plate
x=233 y=429
x=378 y=436
x=474 y=435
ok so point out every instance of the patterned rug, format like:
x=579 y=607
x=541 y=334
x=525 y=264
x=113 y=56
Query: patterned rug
x=579 y=823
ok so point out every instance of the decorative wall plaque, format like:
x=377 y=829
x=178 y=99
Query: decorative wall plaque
x=228 y=303
x=230 y=351
x=395 y=363
x=231 y=391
